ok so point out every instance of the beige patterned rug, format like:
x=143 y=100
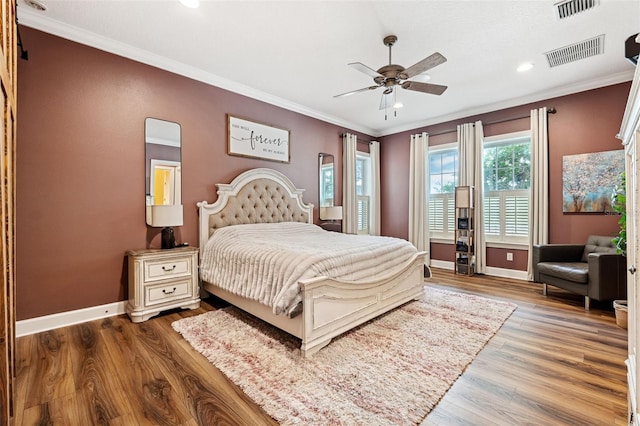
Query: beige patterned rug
x=392 y=370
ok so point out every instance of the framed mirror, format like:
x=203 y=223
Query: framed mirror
x=326 y=179
x=328 y=209
x=163 y=168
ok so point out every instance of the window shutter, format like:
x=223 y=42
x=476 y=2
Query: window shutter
x=451 y=215
x=441 y=215
x=436 y=215
x=363 y=214
x=516 y=215
x=491 y=214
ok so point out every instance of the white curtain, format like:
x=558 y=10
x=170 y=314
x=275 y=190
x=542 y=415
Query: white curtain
x=349 y=201
x=374 y=156
x=539 y=201
x=470 y=138
x=418 y=199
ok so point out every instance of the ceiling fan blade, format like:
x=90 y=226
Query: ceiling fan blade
x=365 y=69
x=364 y=89
x=424 y=65
x=434 y=89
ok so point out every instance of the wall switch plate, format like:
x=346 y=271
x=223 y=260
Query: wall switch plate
x=509 y=256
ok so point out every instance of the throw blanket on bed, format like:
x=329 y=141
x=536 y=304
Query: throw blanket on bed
x=265 y=261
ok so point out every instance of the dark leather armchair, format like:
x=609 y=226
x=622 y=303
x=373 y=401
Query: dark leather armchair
x=593 y=270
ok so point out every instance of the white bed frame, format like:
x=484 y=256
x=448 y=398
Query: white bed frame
x=329 y=307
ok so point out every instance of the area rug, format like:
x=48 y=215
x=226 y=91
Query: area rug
x=392 y=370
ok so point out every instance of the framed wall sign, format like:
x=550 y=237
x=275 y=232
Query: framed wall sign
x=251 y=139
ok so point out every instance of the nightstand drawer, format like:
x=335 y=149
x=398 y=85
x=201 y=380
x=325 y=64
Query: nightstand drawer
x=162 y=269
x=166 y=292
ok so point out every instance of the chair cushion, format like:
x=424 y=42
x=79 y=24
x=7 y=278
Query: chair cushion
x=571 y=271
x=598 y=244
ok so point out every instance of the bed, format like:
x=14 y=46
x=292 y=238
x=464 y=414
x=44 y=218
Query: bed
x=324 y=307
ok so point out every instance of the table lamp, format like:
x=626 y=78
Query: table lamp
x=167 y=216
x=331 y=213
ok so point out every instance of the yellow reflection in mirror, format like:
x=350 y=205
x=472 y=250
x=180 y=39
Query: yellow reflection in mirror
x=165 y=182
x=162 y=189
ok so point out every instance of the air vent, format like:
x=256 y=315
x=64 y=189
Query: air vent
x=36 y=4
x=575 y=52
x=632 y=49
x=567 y=8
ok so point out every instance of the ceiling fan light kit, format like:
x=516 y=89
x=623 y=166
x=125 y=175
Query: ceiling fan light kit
x=392 y=75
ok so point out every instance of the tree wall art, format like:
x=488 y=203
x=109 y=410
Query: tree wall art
x=588 y=180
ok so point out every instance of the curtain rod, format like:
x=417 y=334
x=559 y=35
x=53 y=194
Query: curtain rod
x=361 y=141
x=550 y=110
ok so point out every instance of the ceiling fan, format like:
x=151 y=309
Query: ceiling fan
x=392 y=75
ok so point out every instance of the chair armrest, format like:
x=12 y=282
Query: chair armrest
x=607 y=276
x=555 y=253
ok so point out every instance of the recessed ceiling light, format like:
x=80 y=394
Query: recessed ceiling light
x=526 y=66
x=36 y=4
x=190 y=3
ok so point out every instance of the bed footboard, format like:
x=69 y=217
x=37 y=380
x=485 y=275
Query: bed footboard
x=332 y=307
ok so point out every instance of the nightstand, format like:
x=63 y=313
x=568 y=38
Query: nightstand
x=160 y=280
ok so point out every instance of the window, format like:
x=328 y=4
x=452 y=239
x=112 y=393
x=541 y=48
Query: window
x=363 y=191
x=443 y=178
x=507 y=183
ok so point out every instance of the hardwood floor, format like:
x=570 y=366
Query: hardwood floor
x=551 y=363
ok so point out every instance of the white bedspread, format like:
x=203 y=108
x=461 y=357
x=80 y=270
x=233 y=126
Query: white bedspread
x=264 y=262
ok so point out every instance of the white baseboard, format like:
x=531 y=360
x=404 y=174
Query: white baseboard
x=492 y=271
x=442 y=264
x=506 y=273
x=63 y=319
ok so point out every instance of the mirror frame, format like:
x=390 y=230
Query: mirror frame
x=161 y=138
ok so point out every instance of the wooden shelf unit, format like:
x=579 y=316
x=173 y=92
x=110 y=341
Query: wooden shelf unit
x=464 y=262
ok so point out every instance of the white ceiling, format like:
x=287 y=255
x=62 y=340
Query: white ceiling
x=294 y=54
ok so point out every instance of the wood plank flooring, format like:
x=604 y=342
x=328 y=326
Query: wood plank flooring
x=552 y=363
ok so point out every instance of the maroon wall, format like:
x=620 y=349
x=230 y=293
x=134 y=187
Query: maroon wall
x=81 y=165
x=81 y=177
x=584 y=122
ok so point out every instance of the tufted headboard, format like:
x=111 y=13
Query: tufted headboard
x=255 y=196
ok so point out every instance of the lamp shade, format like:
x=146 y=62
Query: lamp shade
x=166 y=215
x=331 y=213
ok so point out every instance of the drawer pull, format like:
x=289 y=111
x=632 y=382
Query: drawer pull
x=164 y=291
x=168 y=269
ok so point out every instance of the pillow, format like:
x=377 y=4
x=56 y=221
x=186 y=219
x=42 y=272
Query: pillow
x=598 y=244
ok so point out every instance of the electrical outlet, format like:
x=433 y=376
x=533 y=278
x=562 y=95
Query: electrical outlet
x=509 y=256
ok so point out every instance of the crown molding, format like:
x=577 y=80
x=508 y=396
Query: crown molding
x=536 y=97
x=39 y=22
